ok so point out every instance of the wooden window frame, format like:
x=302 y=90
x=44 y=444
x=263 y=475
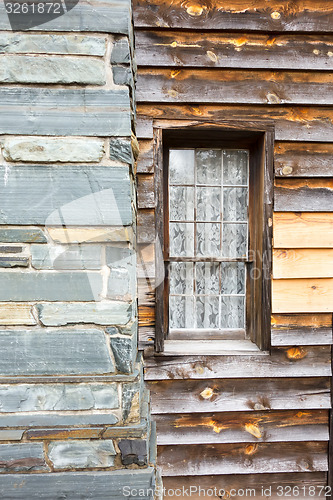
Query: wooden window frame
x=258 y=138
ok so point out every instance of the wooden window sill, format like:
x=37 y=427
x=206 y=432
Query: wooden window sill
x=210 y=348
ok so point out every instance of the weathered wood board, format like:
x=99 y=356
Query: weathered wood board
x=302 y=295
x=303 y=263
x=292 y=159
x=303 y=230
x=303 y=195
x=301 y=336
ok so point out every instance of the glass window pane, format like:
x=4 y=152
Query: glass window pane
x=232 y=312
x=235 y=167
x=181 y=166
x=209 y=166
x=181 y=312
x=207 y=279
x=181 y=278
x=207 y=312
x=233 y=277
x=208 y=238
x=234 y=240
x=235 y=204
x=181 y=204
x=208 y=203
x=181 y=239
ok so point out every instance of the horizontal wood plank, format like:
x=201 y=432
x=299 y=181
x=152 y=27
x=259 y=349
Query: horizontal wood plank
x=302 y=295
x=292 y=159
x=301 y=336
x=303 y=263
x=242 y=427
x=303 y=195
x=240 y=458
x=282 y=362
x=245 y=484
x=233 y=87
x=306 y=15
x=299 y=321
x=198 y=396
x=304 y=124
x=232 y=50
x=303 y=230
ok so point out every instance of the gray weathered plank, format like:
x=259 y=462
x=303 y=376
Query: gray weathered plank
x=42 y=111
x=56 y=352
x=303 y=159
x=66 y=195
x=77 y=485
x=301 y=336
x=303 y=196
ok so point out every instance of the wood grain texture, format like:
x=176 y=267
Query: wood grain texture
x=198 y=396
x=303 y=230
x=285 y=321
x=233 y=50
x=233 y=86
x=303 y=195
x=294 y=159
x=305 y=15
x=301 y=336
x=240 y=458
x=282 y=362
x=145 y=161
x=145 y=191
x=146 y=226
x=305 y=124
x=303 y=263
x=302 y=295
x=243 y=427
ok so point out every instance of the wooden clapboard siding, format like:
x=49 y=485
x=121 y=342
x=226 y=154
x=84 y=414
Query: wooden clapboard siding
x=235 y=420
x=297 y=159
x=300 y=16
x=244 y=427
x=233 y=50
x=302 y=295
x=303 y=263
x=234 y=86
x=303 y=230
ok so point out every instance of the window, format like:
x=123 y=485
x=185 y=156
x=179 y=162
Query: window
x=214 y=221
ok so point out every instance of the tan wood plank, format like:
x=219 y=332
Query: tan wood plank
x=302 y=295
x=292 y=159
x=286 y=321
x=303 y=230
x=303 y=263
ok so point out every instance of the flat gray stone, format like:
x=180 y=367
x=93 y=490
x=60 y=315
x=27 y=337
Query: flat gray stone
x=53 y=149
x=60 y=352
x=55 y=420
x=97 y=485
x=22 y=235
x=66 y=256
x=81 y=454
x=54 y=69
x=123 y=76
x=22 y=457
x=121 y=150
x=9 y=261
x=130 y=391
x=10 y=249
x=50 y=285
x=119 y=284
x=44 y=111
x=57 y=397
x=121 y=53
x=124 y=350
x=31 y=43
x=11 y=435
x=100 y=313
x=66 y=195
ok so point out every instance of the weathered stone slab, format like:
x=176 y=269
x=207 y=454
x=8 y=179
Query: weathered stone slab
x=57 y=397
x=111 y=16
x=120 y=52
x=81 y=454
x=22 y=235
x=121 y=150
x=42 y=352
x=56 y=420
x=78 y=485
x=100 y=313
x=22 y=457
x=64 y=433
x=90 y=234
x=53 y=286
x=10 y=261
x=66 y=257
x=123 y=76
x=11 y=435
x=119 y=284
x=30 y=43
x=124 y=350
x=131 y=402
x=16 y=314
x=66 y=195
x=10 y=249
x=53 y=149
x=42 y=111
x=54 y=69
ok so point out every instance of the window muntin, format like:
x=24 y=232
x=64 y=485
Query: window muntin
x=208 y=197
